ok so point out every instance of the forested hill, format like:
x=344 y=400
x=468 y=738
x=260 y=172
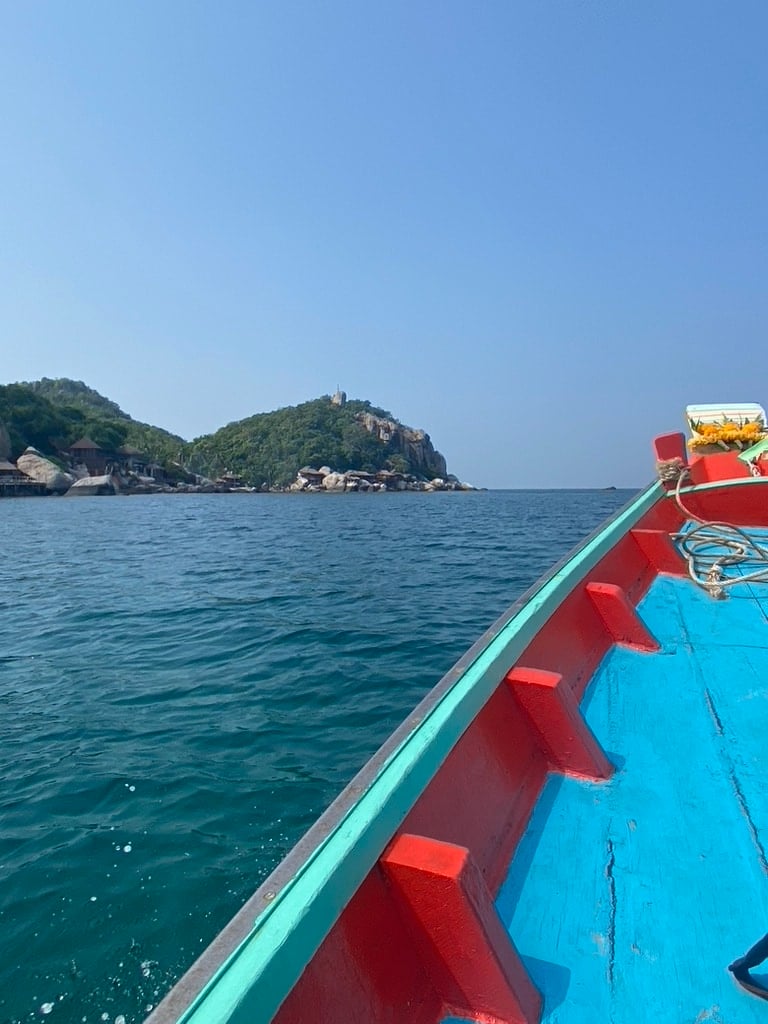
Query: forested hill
x=62 y=391
x=52 y=414
x=271 y=447
x=268 y=448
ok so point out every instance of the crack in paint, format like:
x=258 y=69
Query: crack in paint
x=713 y=713
x=750 y=823
x=609 y=868
x=736 y=785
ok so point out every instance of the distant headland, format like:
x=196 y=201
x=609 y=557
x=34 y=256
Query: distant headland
x=59 y=436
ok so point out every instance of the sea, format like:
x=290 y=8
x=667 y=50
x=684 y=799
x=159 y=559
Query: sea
x=187 y=681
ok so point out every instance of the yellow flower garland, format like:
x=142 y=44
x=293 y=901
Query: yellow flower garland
x=727 y=434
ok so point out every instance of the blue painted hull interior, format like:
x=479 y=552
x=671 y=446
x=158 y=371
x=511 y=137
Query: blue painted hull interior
x=628 y=899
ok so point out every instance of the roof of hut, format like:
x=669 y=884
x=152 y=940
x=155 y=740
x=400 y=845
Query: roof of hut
x=85 y=444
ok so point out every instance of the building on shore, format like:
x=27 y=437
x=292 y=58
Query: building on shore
x=132 y=459
x=15 y=484
x=87 y=454
x=98 y=461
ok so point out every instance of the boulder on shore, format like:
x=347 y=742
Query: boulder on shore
x=334 y=482
x=91 y=485
x=36 y=466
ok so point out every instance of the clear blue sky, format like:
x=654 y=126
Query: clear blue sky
x=535 y=228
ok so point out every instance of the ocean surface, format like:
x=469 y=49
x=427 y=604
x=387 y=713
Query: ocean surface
x=187 y=681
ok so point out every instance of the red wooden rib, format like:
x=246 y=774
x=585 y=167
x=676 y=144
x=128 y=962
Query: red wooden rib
x=620 y=616
x=553 y=712
x=458 y=934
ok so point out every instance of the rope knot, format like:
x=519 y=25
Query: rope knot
x=670 y=470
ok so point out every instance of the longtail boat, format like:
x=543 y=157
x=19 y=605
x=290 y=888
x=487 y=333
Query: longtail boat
x=572 y=826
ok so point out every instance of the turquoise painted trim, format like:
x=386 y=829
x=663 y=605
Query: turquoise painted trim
x=252 y=983
x=754 y=451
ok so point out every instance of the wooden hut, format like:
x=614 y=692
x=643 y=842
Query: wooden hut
x=87 y=453
x=132 y=459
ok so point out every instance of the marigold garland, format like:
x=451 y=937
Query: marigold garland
x=727 y=434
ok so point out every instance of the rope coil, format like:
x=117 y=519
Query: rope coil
x=707 y=564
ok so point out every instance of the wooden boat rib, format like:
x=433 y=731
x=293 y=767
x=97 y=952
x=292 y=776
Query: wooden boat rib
x=570 y=827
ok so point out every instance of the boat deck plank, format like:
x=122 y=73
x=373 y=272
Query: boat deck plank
x=627 y=899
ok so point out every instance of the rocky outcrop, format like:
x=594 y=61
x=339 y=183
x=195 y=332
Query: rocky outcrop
x=413 y=445
x=42 y=470
x=324 y=479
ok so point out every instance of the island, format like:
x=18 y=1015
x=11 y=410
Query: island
x=59 y=436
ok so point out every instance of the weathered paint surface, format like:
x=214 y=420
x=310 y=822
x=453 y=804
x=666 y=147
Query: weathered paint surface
x=630 y=897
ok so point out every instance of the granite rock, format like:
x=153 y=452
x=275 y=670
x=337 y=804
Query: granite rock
x=92 y=485
x=44 y=471
x=334 y=482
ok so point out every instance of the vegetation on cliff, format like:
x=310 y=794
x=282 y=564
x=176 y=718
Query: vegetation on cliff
x=268 y=448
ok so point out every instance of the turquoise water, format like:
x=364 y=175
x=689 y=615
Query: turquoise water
x=186 y=682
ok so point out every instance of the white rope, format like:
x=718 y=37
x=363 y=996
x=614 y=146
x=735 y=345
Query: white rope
x=706 y=566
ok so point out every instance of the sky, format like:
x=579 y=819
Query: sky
x=535 y=228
